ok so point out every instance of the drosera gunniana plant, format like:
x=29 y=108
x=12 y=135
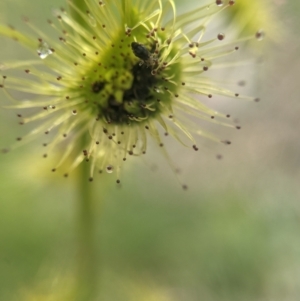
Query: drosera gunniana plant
x=129 y=71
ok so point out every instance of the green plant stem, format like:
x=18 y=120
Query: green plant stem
x=87 y=270
x=87 y=259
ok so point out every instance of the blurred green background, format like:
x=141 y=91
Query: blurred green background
x=234 y=235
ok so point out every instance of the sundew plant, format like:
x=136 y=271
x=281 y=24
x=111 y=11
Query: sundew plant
x=115 y=74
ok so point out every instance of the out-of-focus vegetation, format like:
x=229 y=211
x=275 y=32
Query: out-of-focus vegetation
x=234 y=235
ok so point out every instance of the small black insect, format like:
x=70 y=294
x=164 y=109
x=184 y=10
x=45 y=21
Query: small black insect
x=140 y=51
x=144 y=54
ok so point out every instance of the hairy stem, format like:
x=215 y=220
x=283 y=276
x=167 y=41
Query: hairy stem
x=87 y=259
x=87 y=266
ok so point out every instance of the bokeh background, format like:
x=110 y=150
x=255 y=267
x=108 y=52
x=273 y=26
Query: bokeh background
x=233 y=235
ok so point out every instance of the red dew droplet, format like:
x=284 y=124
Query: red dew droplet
x=184 y=187
x=4 y=150
x=221 y=36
